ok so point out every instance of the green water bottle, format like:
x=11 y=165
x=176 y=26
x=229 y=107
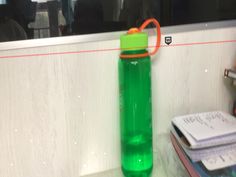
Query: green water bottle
x=136 y=103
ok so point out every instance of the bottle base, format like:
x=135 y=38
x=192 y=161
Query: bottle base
x=143 y=173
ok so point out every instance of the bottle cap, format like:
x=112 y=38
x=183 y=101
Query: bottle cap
x=134 y=40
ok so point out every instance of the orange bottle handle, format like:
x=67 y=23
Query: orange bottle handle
x=141 y=28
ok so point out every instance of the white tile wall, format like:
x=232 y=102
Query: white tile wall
x=59 y=113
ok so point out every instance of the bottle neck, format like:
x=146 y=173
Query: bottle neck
x=135 y=55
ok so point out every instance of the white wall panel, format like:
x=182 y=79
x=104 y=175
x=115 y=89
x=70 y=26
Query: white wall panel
x=59 y=113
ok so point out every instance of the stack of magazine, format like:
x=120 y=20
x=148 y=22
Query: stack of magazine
x=206 y=143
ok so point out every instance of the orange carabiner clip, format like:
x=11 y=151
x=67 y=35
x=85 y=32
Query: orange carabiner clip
x=141 y=28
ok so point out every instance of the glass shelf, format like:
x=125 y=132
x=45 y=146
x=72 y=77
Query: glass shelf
x=166 y=162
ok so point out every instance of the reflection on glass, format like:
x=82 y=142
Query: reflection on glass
x=67 y=13
x=88 y=16
x=2 y=1
x=51 y=18
x=10 y=29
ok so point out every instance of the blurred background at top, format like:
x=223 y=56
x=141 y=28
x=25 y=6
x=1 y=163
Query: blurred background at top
x=52 y=18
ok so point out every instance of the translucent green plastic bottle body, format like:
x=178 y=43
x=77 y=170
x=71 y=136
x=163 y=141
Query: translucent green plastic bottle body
x=136 y=116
